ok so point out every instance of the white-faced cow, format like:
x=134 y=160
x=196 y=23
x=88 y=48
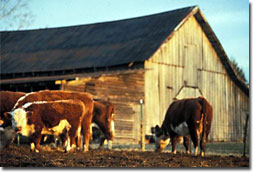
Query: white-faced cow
x=49 y=117
x=104 y=115
x=53 y=95
x=7 y=100
x=188 y=118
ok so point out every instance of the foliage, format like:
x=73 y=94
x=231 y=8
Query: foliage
x=238 y=69
x=14 y=14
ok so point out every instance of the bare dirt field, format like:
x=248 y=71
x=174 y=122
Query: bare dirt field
x=20 y=156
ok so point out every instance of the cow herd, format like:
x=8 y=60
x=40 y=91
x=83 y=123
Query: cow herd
x=70 y=115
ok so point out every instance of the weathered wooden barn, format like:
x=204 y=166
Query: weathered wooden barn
x=157 y=58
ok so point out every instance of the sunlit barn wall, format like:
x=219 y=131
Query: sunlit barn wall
x=186 y=65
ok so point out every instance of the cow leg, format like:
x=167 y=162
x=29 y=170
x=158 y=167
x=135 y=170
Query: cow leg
x=36 y=140
x=195 y=138
x=102 y=141
x=86 y=131
x=79 y=141
x=173 y=138
x=203 y=144
x=186 y=144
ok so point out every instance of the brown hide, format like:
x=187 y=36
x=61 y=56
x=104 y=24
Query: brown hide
x=102 y=116
x=48 y=95
x=49 y=114
x=193 y=112
x=7 y=100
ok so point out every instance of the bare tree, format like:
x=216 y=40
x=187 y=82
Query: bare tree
x=14 y=14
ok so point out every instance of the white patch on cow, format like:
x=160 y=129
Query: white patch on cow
x=67 y=144
x=181 y=129
x=57 y=130
x=109 y=144
x=112 y=127
x=162 y=142
x=19 y=120
x=21 y=99
x=196 y=151
x=33 y=148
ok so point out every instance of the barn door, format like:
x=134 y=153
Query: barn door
x=191 y=63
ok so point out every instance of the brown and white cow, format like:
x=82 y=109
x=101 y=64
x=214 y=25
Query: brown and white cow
x=7 y=100
x=52 y=95
x=188 y=118
x=49 y=117
x=104 y=116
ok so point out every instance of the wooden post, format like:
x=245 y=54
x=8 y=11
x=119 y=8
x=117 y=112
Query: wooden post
x=245 y=134
x=18 y=139
x=142 y=128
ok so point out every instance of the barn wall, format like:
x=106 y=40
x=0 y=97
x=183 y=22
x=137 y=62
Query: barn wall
x=186 y=65
x=125 y=92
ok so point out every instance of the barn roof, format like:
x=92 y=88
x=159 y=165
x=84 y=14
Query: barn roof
x=100 y=45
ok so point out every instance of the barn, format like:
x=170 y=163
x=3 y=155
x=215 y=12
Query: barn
x=155 y=58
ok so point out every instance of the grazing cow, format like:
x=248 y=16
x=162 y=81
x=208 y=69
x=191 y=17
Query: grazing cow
x=52 y=95
x=49 y=117
x=7 y=136
x=104 y=115
x=187 y=118
x=7 y=101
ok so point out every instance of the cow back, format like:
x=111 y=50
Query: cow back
x=8 y=99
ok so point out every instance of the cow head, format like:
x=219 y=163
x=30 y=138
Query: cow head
x=110 y=123
x=19 y=121
x=162 y=138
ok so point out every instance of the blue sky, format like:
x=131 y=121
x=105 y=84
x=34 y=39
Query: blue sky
x=229 y=19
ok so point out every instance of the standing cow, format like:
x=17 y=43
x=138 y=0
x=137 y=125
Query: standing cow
x=7 y=100
x=47 y=95
x=49 y=117
x=186 y=117
x=104 y=115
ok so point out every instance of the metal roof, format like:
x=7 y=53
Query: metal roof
x=100 y=45
x=86 y=46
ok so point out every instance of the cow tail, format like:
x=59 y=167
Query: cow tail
x=203 y=114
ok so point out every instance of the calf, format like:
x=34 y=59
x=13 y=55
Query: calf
x=187 y=118
x=104 y=115
x=47 y=95
x=7 y=100
x=49 y=117
x=6 y=137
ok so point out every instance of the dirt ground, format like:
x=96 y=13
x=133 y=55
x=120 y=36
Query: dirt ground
x=20 y=156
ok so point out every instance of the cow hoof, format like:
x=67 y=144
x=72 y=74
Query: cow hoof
x=188 y=152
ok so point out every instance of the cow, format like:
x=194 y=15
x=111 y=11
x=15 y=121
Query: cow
x=34 y=119
x=53 y=95
x=190 y=118
x=104 y=116
x=7 y=100
x=7 y=136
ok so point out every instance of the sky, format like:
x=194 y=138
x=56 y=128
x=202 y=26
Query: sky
x=229 y=19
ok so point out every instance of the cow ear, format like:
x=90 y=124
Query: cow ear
x=29 y=113
x=157 y=128
x=7 y=115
